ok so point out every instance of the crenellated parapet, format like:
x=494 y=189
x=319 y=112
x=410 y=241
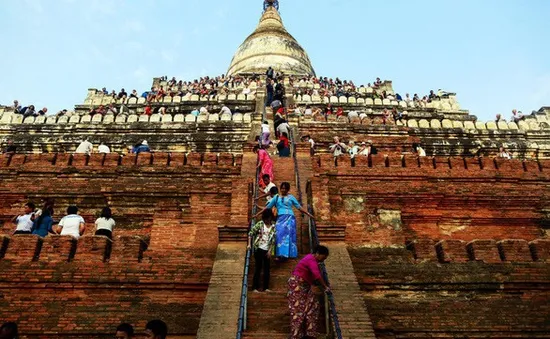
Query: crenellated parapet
x=87 y=250
x=64 y=136
x=482 y=250
x=15 y=119
x=193 y=163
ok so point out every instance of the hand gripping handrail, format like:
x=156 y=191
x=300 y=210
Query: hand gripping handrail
x=314 y=240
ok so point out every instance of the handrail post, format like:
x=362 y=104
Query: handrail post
x=327 y=316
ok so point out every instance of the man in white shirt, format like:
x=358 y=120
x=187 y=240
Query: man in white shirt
x=85 y=147
x=268 y=186
x=203 y=110
x=103 y=148
x=72 y=224
x=225 y=110
x=353 y=114
x=24 y=221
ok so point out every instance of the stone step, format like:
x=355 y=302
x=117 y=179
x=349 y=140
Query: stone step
x=268 y=314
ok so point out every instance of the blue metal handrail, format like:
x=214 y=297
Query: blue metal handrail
x=315 y=241
x=241 y=323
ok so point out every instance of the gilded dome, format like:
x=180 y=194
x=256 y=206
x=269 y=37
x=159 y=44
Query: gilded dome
x=271 y=45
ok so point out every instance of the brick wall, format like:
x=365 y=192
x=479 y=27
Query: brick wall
x=167 y=208
x=472 y=298
x=387 y=200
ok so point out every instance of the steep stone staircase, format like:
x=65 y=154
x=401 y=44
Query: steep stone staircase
x=268 y=314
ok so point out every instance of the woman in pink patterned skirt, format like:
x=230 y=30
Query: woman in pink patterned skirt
x=264 y=163
x=303 y=303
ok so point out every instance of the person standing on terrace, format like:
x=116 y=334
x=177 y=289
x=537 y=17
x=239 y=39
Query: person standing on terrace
x=285 y=228
x=265 y=164
x=303 y=303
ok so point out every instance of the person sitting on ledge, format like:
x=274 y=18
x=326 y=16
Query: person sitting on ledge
x=134 y=94
x=72 y=224
x=363 y=149
x=28 y=111
x=156 y=329
x=24 y=221
x=16 y=107
x=225 y=110
x=122 y=94
x=11 y=148
x=418 y=150
x=353 y=149
x=124 y=331
x=42 y=225
x=85 y=147
x=9 y=331
x=143 y=148
x=203 y=110
x=338 y=148
x=397 y=116
x=105 y=223
x=195 y=112
x=503 y=153
x=98 y=110
x=517 y=116
x=103 y=148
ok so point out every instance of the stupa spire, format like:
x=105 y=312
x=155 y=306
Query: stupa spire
x=271 y=45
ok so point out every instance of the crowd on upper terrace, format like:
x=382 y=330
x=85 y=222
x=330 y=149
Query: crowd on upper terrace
x=328 y=87
x=203 y=87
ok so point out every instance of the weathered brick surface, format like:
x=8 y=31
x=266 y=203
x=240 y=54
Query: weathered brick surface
x=352 y=312
x=435 y=199
x=484 y=250
x=472 y=299
x=514 y=250
x=158 y=264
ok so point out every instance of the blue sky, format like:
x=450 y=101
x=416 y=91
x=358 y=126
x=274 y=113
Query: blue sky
x=494 y=54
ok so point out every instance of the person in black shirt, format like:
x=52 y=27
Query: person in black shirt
x=270 y=90
x=11 y=149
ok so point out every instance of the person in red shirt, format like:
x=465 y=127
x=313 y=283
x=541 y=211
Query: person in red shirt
x=284 y=145
x=303 y=303
x=148 y=110
x=339 y=112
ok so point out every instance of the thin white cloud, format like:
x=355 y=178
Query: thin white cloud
x=168 y=56
x=34 y=5
x=135 y=26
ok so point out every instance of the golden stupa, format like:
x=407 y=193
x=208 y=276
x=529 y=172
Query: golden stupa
x=271 y=45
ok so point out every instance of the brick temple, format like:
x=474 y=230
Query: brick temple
x=451 y=245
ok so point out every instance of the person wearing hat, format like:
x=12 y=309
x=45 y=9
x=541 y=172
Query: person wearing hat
x=143 y=148
x=363 y=149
